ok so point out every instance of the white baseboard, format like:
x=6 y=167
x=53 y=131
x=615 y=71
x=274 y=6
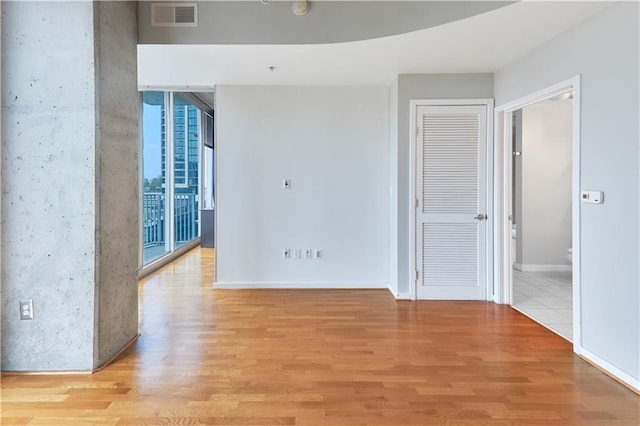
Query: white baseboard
x=300 y=285
x=399 y=295
x=403 y=296
x=620 y=375
x=541 y=268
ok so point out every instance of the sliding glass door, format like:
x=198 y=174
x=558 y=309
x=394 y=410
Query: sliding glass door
x=171 y=138
x=186 y=142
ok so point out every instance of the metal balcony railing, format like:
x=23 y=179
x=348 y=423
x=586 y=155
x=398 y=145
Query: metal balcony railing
x=153 y=217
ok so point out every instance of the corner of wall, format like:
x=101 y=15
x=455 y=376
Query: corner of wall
x=393 y=186
x=117 y=166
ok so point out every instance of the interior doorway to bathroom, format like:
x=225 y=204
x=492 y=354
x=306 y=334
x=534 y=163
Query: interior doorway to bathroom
x=541 y=212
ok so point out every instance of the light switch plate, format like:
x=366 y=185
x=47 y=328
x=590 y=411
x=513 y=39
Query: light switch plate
x=593 y=197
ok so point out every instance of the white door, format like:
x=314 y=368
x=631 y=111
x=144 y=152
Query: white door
x=451 y=201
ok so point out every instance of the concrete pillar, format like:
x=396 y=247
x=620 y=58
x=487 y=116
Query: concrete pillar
x=69 y=182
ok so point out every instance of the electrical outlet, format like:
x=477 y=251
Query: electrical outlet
x=286 y=184
x=317 y=254
x=308 y=253
x=286 y=253
x=298 y=254
x=26 y=309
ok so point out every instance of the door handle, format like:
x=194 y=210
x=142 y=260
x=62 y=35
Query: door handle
x=480 y=217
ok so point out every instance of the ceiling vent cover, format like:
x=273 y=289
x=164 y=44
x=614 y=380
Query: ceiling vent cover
x=174 y=14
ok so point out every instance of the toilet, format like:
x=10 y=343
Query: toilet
x=570 y=255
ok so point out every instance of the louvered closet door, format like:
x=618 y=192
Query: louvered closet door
x=451 y=192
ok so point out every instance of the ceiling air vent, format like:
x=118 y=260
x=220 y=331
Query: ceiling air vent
x=174 y=15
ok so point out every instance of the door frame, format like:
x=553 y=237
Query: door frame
x=413 y=155
x=502 y=201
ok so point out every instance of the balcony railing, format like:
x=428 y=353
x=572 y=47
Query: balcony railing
x=153 y=216
x=186 y=213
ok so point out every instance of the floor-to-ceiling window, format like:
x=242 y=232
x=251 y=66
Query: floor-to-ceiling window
x=171 y=138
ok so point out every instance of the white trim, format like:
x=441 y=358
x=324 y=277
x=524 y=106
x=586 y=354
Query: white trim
x=393 y=293
x=489 y=253
x=541 y=268
x=498 y=206
x=541 y=95
x=502 y=230
x=465 y=102
x=403 y=296
x=414 y=104
x=413 y=146
x=300 y=285
x=610 y=368
x=576 y=224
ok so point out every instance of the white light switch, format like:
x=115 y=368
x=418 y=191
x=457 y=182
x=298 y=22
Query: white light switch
x=594 y=197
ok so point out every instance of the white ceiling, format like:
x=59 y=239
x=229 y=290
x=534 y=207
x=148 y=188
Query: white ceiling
x=483 y=43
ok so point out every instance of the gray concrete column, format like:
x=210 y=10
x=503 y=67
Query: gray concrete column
x=69 y=182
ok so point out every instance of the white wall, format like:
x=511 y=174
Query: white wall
x=604 y=50
x=516 y=177
x=393 y=188
x=545 y=229
x=332 y=142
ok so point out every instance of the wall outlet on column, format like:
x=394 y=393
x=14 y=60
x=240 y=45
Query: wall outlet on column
x=26 y=309
x=286 y=184
x=286 y=253
x=308 y=254
x=298 y=253
x=317 y=253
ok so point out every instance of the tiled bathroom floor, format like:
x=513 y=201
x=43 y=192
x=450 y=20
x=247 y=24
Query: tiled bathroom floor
x=547 y=298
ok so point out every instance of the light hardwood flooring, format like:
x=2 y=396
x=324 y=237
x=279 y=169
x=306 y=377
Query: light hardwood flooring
x=323 y=357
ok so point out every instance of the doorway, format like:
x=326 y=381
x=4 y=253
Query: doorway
x=537 y=208
x=450 y=230
x=542 y=213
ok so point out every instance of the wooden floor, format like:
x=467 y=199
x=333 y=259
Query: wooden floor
x=323 y=357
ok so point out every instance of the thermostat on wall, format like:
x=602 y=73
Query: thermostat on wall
x=595 y=197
